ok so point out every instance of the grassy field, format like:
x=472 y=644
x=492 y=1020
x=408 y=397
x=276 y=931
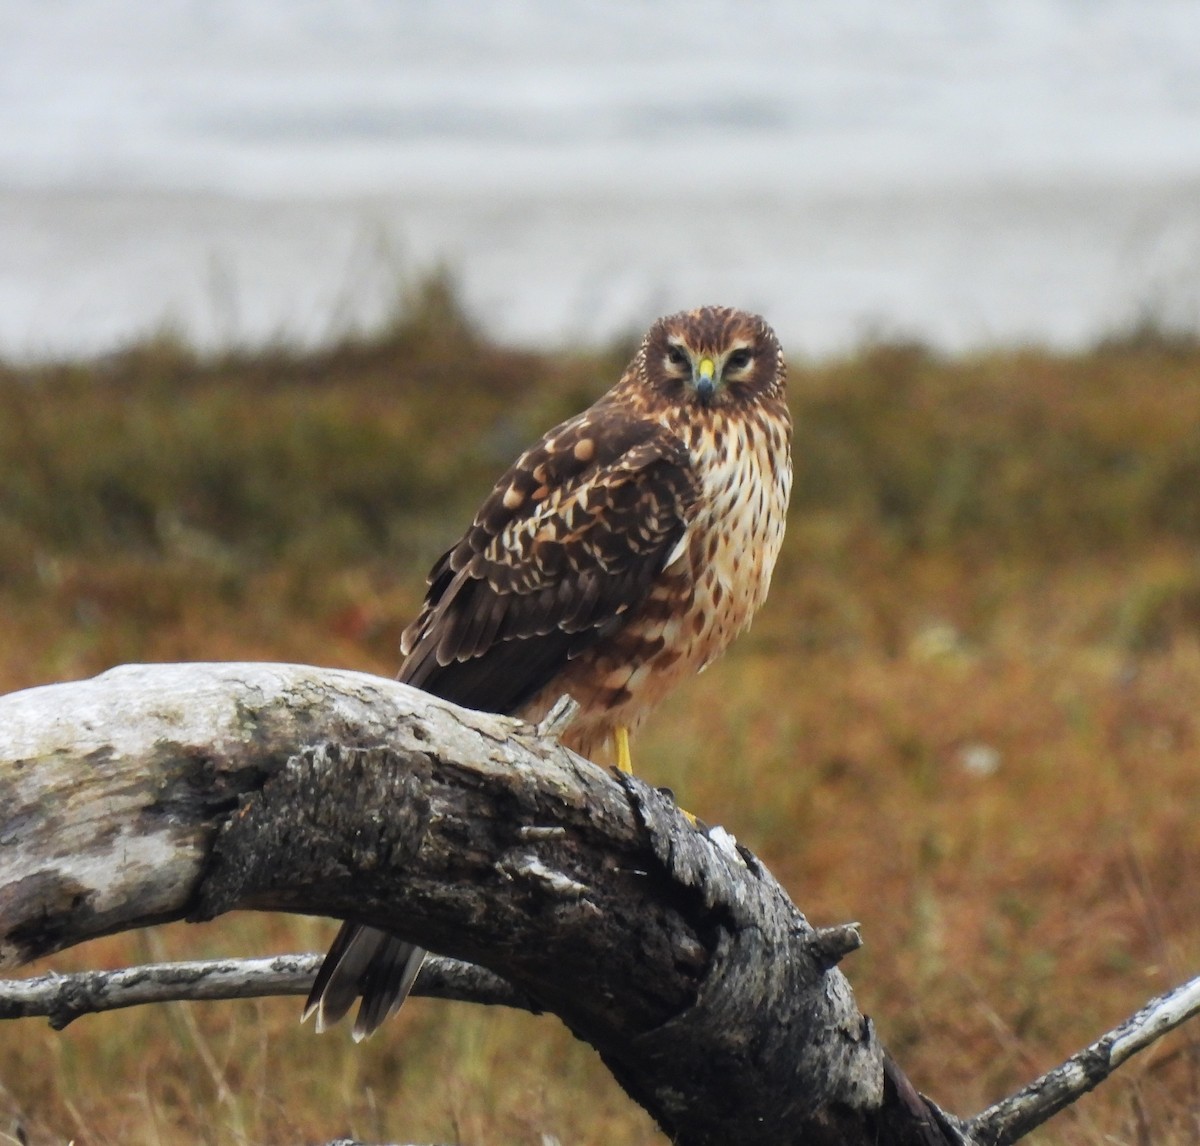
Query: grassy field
x=968 y=716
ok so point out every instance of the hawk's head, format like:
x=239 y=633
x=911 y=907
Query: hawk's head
x=713 y=357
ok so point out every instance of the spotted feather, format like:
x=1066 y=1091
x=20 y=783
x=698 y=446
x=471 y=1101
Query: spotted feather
x=617 y=557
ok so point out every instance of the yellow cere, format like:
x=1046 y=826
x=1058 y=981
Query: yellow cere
x=707 y=367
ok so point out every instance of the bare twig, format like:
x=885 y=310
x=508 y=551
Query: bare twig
x=1012 y=1118
x=64 y=998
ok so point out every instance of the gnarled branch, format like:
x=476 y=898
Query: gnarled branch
x=182 y=791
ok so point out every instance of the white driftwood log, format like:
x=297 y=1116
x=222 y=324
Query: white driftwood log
x=162 y=792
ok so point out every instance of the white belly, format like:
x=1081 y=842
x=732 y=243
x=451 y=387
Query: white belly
x=735 y=540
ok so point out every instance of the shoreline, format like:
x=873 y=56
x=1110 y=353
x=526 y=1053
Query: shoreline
x=86 y=272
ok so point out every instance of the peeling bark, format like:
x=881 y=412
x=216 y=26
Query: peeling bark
x=183 y=791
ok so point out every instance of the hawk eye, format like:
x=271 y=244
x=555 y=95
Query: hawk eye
x=739 y=359
x=676 y=355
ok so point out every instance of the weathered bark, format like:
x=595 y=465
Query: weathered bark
x=163 y=792
x=149 y=793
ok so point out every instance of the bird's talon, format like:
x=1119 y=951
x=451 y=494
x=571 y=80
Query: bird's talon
x=670 y=795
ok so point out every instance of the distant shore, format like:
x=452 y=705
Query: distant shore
x=86 y=272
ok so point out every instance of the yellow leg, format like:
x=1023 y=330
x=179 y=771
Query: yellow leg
x=624 y=760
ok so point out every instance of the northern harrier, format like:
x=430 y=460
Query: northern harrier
x=618 y=556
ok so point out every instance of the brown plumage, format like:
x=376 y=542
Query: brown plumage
x=619 y=555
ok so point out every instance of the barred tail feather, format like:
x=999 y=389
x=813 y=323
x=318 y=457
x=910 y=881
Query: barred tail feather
x=366 y=962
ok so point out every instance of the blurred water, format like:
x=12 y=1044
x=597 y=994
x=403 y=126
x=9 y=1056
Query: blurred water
x=965 y=171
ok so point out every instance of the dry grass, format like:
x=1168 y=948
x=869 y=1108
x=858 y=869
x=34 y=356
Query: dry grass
x=968 y=717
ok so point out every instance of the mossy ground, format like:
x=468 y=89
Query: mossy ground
x=969 y=716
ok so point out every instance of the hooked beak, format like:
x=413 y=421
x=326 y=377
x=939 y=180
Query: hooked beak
x=703 y=380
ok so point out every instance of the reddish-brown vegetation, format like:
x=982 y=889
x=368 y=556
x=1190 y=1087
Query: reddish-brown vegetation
x=969 y=716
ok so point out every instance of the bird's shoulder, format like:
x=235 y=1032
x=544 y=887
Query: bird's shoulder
x=570 y=537
x=610 y=474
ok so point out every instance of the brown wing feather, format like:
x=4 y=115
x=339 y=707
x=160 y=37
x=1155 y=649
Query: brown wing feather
x=570 y=540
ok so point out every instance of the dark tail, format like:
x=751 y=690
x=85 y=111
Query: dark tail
x=367 y=962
